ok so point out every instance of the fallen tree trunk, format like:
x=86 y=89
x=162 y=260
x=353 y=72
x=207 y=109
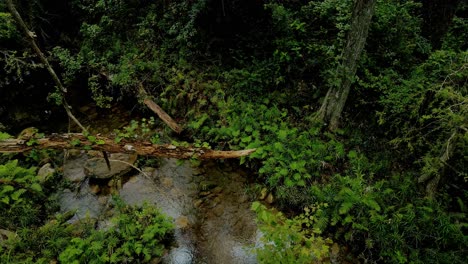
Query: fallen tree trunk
x=79 y=141
x=158 y=110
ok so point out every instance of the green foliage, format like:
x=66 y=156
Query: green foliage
x=456 y=38
x=390 y=218
x=145 y=129
x=289 y=240
x=407 y=112
x=7 y=27
x=395 y=38
x=4 y=136
x=430 y=106
x=137 y=235
x=20 y=190
x=290 y=156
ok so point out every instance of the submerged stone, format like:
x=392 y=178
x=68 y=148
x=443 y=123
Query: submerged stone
x=120 y=165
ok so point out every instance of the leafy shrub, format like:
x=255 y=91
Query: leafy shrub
x=289 y=240
x=285 y=155
x=387 y=219
x=20 y=196
x=138 y=234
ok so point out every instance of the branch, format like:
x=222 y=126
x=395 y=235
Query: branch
x=32 y=42
x=144 y=148
x=158 y=110
x=30 y=37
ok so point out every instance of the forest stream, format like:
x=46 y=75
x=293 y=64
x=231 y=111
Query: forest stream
x=209 y=203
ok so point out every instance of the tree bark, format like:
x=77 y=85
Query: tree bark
x=337 y=94
x=158 y=110
x=79 y=141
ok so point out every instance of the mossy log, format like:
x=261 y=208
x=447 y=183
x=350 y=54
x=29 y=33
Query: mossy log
x=143 y=148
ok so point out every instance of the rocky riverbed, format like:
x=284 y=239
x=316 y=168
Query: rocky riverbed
x=208 y=204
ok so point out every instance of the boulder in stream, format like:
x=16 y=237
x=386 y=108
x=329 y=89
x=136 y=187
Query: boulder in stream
x=45 y=172
x=120 y=165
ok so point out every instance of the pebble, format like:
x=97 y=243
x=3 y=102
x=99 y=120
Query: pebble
x=202 y=194
x=182 y=222
x=217 y=190
x=167 y=182
x=94 y=189
x=218 y=211
x=269 y=198
x=198 y=203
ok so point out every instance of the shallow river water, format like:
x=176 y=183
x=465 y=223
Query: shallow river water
x=208 y=204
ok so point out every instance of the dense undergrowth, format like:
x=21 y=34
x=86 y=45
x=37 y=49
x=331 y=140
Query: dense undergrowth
x=390 y=185
x=33 y=232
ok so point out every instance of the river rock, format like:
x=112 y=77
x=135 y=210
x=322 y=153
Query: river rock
x=73 y=153
x=218 y=211
x=167 y=182
x=198 y=171
x=217 y=190
x=269 y=199
x=85 y=204
x=198 y=203
x=207 y=185
x=203 y=194
x=94 y=189
x=73 y=168
x=182 y=222
x=97 y=168
x=263 y=194
x=45 y=172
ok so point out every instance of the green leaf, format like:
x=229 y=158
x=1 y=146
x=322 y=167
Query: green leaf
x=297 y=176
x=246 y=139
x=282 y=134
x=345 y=207
x=75 y=142
x=15 y=196
x=7 y=188
x=6 y=200
x=278 y=146
x=255 y=206
x=36 y=187
x=235 y=133
x=4 y=135
x=289 y=183
x=352 y=154
x=373 y=204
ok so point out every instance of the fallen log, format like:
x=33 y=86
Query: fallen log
x=158 y=110
x=143 y=148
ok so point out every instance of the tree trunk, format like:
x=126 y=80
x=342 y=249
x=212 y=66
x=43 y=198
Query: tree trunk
x=337 y=94
x=79 y=141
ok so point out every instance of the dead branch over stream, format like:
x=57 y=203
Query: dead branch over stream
x=143 y=148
